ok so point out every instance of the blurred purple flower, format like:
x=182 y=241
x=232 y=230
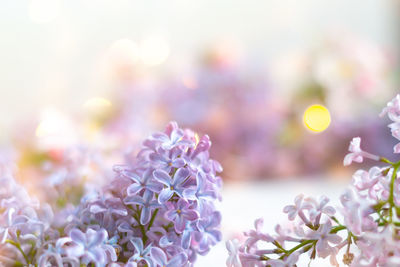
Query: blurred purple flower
x=89 y=247
x=172 y=138
x=167 y=160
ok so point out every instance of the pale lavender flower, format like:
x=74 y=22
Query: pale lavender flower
x=173 y=184
x=293 y=210
x=297 y=209
x=256 y=235
x=172 y=138
x=147 y=204
x=9 y=223
x=317 y=208
x=392 y=109
x=142 y=254
x=186 y=237
x=200 y=193
x=396 y=134
x=179 y=213
x=108 y=206
x=145 y=181
x=379 y=248
x=373 y=182
x=124 y=222
x=208 y=233
x=50 y=257
x=356 y=212
x=168 y=239
x=167 y=160
x=89 y=247
x=161 y=260
x=325 y=239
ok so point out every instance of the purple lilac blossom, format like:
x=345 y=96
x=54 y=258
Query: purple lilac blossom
x=164 y=200
x=158 y=210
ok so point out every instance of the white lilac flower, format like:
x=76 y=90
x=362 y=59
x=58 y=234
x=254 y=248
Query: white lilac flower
x=368 y=229
x=393 y=111
x=256 y=235
x=379 y=248
x=233 y=249
x=297 y=209
x=317 y=208
x=356 y=153
x=289 y=261
x=325 y=239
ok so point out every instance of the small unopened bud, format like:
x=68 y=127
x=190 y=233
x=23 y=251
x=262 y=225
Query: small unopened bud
x=348 y=258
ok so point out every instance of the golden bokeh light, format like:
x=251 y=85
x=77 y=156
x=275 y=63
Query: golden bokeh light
x=97 y=103
x=317 y=118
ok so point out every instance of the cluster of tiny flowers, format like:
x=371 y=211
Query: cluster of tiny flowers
x=25 y=224
x=159 y=210
x=367 y=235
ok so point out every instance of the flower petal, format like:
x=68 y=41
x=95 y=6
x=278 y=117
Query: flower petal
x=180 y=176
x=162 y=177
x=77 y=236
x=158 y=256
x=165 y=195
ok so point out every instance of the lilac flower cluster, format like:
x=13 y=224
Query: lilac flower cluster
x=368 y=234
x=25 y=224
x=159 y=210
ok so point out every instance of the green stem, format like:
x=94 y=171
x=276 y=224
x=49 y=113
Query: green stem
x=391 y=192
x=152 y=219
x=384 y=221
x=279 y=246
x=18 y=246
x=338 y=228
x=302 y=244
x=137 y=217
x=385 y=160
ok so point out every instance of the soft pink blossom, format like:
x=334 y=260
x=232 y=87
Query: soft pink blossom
x=356 y=153
x=257 y=234
x=325 y=239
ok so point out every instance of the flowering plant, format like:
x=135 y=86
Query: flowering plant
x=157 y=211
x=367 y=235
